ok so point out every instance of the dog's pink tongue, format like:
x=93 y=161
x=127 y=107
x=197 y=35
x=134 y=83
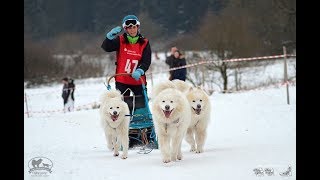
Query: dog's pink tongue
x=197 y=111
x=167 y=113
x=114 y=117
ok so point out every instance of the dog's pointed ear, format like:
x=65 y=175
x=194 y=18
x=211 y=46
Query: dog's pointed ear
x=190 y=89
x=199 y=87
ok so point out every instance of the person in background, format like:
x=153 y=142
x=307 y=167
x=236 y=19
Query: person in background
x=133 y=54
x=176 y=59
x=71 y=87
x=65 y=92
x=169 y=60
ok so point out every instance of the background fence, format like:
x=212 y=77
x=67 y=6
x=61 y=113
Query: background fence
x=193 y=69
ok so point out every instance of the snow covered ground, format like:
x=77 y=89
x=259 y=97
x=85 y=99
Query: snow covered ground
x=248 y=130
x=250 y=133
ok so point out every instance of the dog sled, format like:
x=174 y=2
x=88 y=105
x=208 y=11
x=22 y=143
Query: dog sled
x=142 y=134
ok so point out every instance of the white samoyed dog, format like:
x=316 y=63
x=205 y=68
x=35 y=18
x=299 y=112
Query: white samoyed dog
x=171 y=116
x=162 y=86
x=201 y=110
x=181 y=85
x=115 y=123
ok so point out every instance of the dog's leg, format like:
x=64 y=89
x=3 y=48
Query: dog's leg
x=116 y=146
x=119 y=141
x=176 y=147
x=200 y=138
x=125 y=144
x=179 y=156
x=190 y=139
x=164 y=143
x=109 y=141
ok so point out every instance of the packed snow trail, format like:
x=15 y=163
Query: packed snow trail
x=248 y=130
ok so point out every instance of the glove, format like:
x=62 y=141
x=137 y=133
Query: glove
x=114 y=32
x=137 y=73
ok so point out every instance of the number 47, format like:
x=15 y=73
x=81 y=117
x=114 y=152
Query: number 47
x=128 y=65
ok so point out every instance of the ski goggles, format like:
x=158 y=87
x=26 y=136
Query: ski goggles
x=130 y=23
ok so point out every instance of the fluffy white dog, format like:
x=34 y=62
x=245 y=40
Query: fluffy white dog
x=114 y=122
x=162 y=86
x=181 y=85
x=171 y=116
x=201 y=109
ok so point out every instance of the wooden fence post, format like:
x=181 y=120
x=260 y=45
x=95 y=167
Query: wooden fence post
x=286 y=73
x=25 y=99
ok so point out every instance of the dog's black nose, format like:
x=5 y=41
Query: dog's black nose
x=198 y=106
x=115 y=113
x=167 y=107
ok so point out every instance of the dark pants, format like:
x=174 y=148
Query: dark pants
x=137 y=89
x=139 y=102
x=138 y=92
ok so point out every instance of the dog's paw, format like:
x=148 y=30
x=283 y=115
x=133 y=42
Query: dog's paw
x=124 y=156
x=199 y=151
x=166 y=160
x=116 y=154
x=179 y=157
x=192 y=149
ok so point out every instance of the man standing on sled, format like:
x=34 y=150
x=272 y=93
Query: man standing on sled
x=133 y=54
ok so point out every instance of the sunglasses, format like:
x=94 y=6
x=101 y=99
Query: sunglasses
x=130 y=23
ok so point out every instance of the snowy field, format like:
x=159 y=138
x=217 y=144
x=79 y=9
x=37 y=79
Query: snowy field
x=249 y=130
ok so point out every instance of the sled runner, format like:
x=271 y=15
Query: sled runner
x=142 y=135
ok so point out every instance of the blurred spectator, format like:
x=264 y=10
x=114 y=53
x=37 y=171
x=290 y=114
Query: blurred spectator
x=71 y=87
x=176 y=59
x=65 y=92
x=68 y=94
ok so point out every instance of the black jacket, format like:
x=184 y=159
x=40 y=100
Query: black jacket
x=72 y=87
x=113 y=45
x=177 y=62
x=65 y=93
x=169 y=61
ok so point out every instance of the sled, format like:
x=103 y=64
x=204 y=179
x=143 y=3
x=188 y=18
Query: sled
x=142 y=134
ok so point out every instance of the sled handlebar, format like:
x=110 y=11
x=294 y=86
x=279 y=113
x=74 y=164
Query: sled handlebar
x=122 y=74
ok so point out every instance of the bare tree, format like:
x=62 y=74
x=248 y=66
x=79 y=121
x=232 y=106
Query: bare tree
x=71 y=42
x=152 y=30
x=228 y=35
x=39 y=65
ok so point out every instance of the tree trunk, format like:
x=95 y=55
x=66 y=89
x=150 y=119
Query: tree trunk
x=223 y=71
x=236 y=78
